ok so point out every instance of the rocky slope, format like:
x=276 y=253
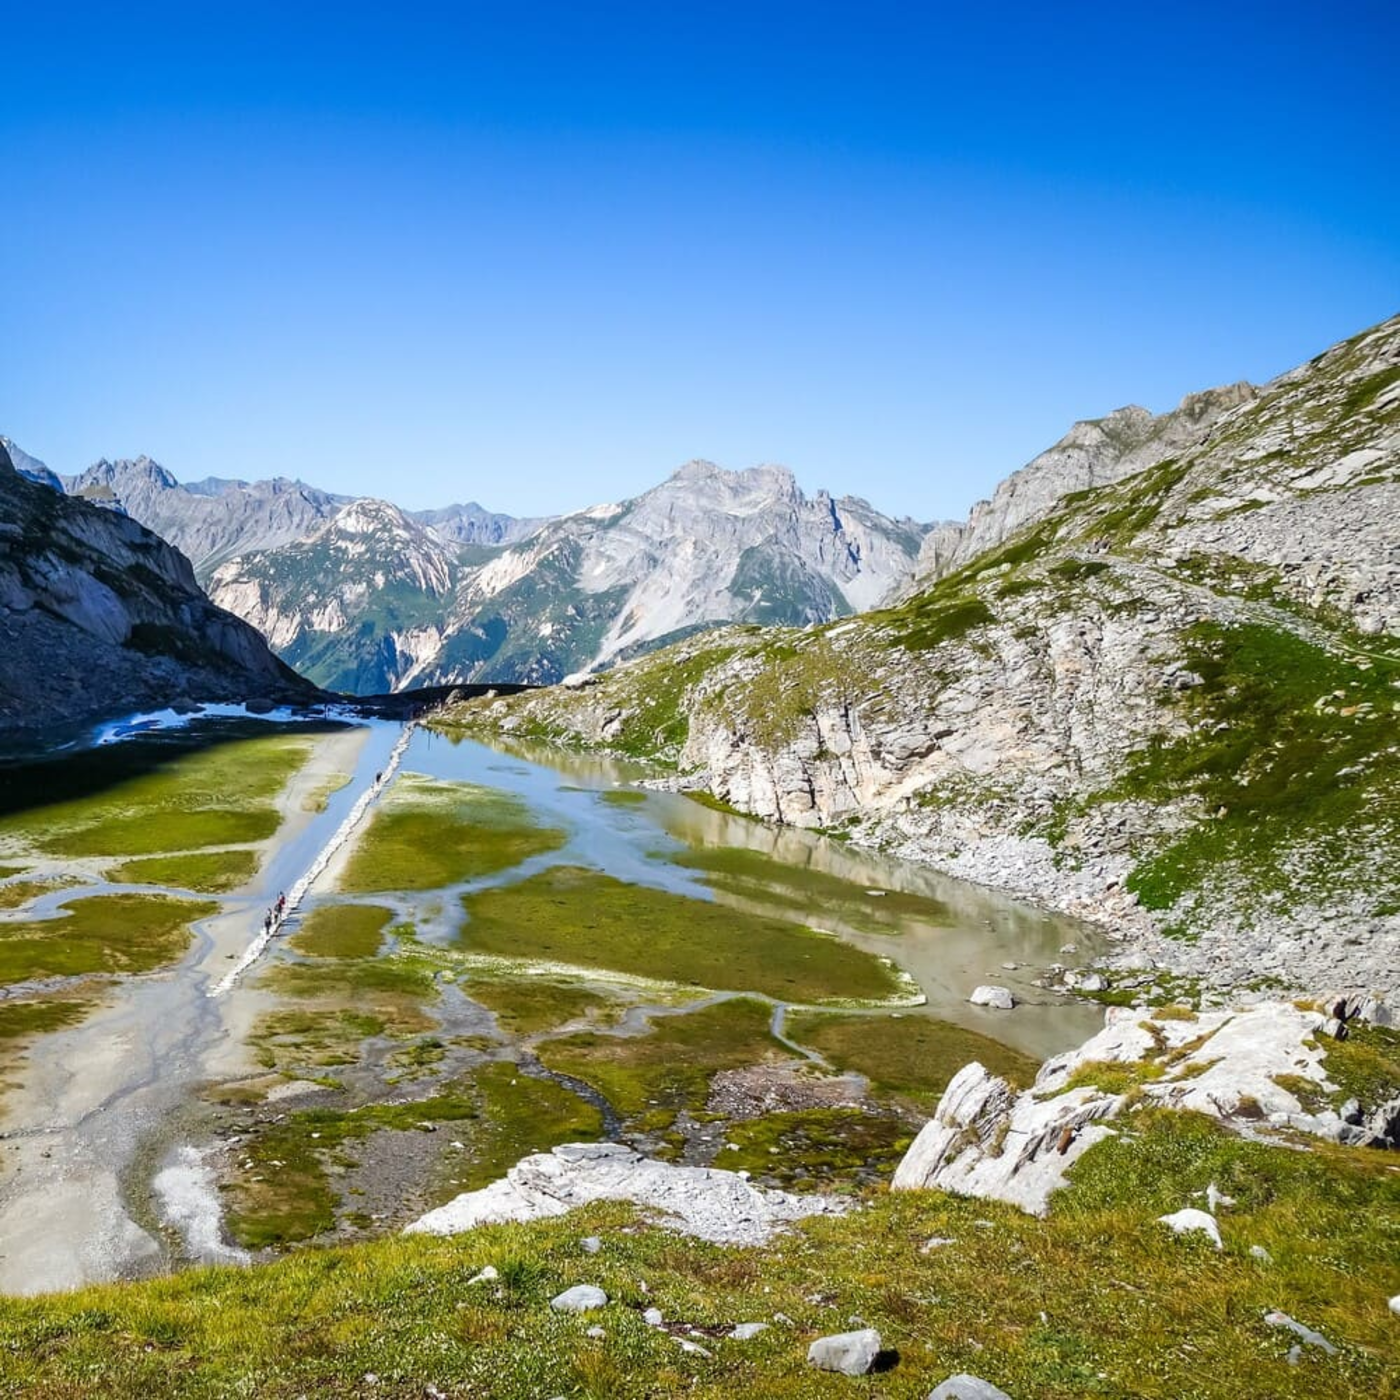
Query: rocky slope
x=1263 y=1071
x=1095 y=452
x=1169 y=704
x=98 y=616
x=377 y=601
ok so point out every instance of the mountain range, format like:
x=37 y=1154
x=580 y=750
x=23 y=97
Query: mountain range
x=364 y=597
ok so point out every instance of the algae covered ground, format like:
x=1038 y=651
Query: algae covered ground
x=1098 y=1300
x=106 y=933
x=429 y=834
x=583 y=918
x=173 y=816
x=144 y=799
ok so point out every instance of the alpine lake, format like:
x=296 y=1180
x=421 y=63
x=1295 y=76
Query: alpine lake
x=510 y=951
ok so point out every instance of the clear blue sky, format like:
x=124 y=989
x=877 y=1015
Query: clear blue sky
x=540 y=255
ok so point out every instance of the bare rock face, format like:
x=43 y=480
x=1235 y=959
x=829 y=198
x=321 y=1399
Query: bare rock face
x=705 y=1202
x=1095 y=452
x=987 y=1140
x=98 y=615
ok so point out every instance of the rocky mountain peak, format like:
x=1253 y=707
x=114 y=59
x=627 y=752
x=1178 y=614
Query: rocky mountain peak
x=370 y=517
x=100 y=615
x=30 y=467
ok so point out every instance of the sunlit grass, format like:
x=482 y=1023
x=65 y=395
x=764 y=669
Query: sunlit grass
x=1098 y=1300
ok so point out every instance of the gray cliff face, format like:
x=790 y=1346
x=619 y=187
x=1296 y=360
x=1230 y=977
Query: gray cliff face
x=98 y=615
x=30 y=467
x=402 y=607
x=1095 y=452
x=1168 y=704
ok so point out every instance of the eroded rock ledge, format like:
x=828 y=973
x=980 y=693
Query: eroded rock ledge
x=1261 y=1070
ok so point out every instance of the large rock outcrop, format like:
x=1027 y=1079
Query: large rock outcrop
x=710 y=1204
x=98 y=616
x=1095 y=452
x=1261 y=1069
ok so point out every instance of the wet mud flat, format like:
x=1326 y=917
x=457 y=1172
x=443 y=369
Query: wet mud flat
x=506 y=954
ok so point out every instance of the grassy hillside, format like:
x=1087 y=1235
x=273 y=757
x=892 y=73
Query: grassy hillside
x=1100 y=1300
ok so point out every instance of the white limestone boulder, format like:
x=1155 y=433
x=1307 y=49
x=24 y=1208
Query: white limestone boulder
x=706 y=1202
x=849 y=1353
x=987 y=1140
x=998 y=998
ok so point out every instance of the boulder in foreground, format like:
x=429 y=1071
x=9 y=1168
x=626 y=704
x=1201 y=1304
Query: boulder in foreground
x=710 y=1204
x=850 y=1353
x=987 y=1140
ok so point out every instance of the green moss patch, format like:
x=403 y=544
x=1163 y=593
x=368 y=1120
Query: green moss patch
x=342 y=931
x=623 y=797
x=910 y=1057
x=1365 y=1066
x=20 y=892
x=204 y=872
x=518 y=1114
x=23 y=1020
x=428 y=834
x=650 y=1078
x=284 y=1193
x=1288 y=747
x=353 y=980
x=299 y=1042
x=796 y=680
x=527 y=1004
x=819 y=1149
x=1114 y=1076
x=585 y=919
x=105 y=933
x=318 y=799
x=220 y=795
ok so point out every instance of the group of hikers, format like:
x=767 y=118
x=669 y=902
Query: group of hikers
x=274 y=916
